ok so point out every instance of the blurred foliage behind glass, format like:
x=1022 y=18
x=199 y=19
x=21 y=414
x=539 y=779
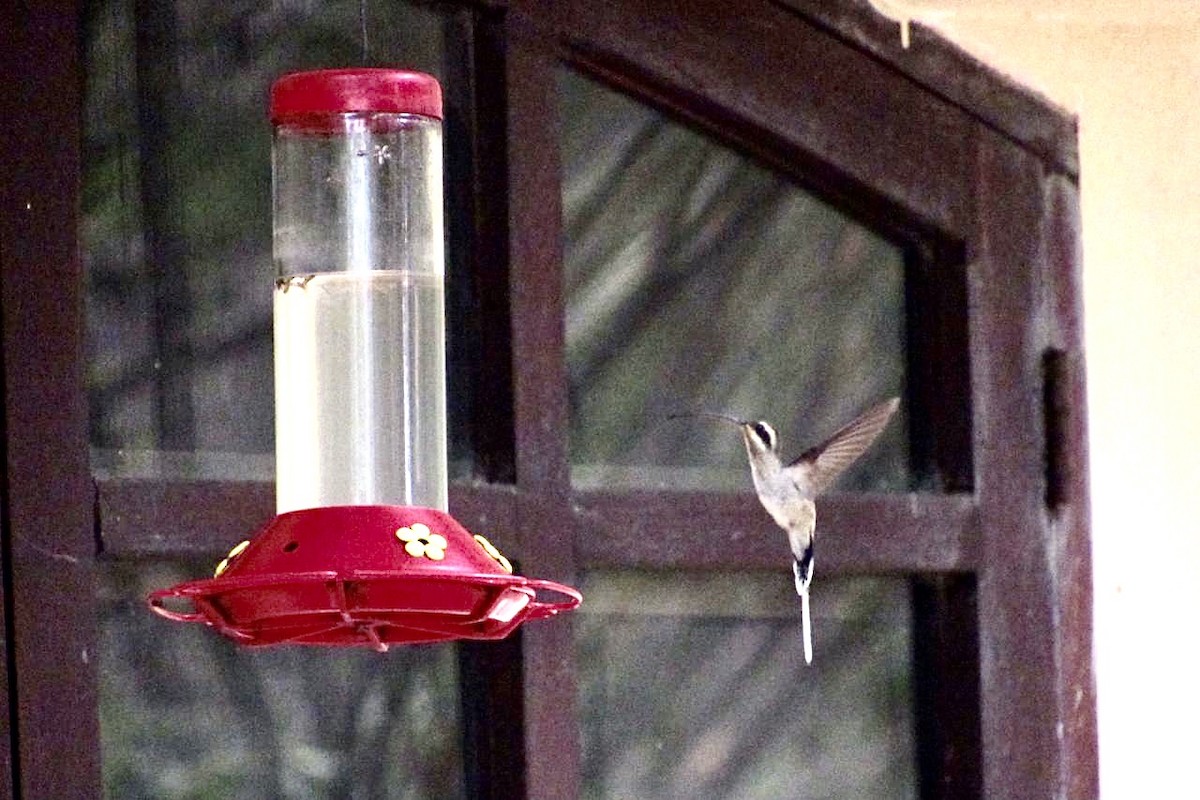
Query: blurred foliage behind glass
x=695 y=686
x=698 y=279
x=177 y=209
x=186 y=713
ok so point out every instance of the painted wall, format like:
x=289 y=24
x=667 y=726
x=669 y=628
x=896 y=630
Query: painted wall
x=1133 y=77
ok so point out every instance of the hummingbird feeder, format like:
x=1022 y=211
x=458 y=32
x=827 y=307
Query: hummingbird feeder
x=361 y=551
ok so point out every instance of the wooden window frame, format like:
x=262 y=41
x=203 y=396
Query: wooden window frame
x=923 y=143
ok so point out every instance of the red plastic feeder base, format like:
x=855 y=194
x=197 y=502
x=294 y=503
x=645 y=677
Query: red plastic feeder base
x=369 y=576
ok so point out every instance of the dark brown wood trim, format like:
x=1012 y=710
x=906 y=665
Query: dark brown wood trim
x=179 y=519
x=48 y=499
x=1070 y=517
x=203 y=519
x=938 y=391
x=477 y=198
x=854 y=130
x=552 y=745
x=8 y=724
x=1020 y=627
x=491 y=674
x=942 y=67
x=946 y=682
x=492 y=688
x=858 y=533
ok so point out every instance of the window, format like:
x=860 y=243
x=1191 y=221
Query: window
x=953 y=574
x=698 y=278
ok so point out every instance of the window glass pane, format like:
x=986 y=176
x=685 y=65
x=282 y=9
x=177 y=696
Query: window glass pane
x=696 y=686
x=698 y=279
x=177 y=215
x=186 y=713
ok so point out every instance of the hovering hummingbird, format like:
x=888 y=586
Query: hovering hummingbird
x=787 y=492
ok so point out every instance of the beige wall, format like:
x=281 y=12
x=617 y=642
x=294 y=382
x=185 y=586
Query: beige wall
x=1131 y=71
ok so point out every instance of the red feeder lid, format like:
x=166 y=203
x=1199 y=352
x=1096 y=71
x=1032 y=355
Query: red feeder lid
x=364 y=575
x=301 y=95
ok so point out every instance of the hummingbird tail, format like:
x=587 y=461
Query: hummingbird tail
x=802 y=568
x=806 y=624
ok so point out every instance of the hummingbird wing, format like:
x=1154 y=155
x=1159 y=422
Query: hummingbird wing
x=817 y=468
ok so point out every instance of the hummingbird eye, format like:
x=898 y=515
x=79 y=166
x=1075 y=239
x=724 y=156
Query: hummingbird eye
x=765 y=434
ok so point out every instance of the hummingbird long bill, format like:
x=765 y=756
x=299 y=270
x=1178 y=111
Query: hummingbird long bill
x=787 y=491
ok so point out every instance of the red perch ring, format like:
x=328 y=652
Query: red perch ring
x=369 y=576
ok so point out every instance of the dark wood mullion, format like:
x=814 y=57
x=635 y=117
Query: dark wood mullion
x=946 y=683
x=491 y=684
x=945 y=614
x=8 y=723
x=552 y=743
x=203 y=519
x=477 y=193
x=47 y=496
x=938 y=369
x=860 y=533
x=1020 y=627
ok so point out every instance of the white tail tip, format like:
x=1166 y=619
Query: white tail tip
x=806 y=624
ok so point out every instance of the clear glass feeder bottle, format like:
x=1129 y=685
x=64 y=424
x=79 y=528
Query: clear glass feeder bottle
x=360 y=386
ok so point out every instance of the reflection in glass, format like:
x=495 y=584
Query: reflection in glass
x=697 y=279
x=188 y=714
x=177 y=210
x=695 y=686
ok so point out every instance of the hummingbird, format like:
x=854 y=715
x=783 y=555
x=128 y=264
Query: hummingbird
x=787 y=491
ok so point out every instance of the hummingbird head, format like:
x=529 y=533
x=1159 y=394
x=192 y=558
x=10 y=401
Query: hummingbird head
x=760 y=436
